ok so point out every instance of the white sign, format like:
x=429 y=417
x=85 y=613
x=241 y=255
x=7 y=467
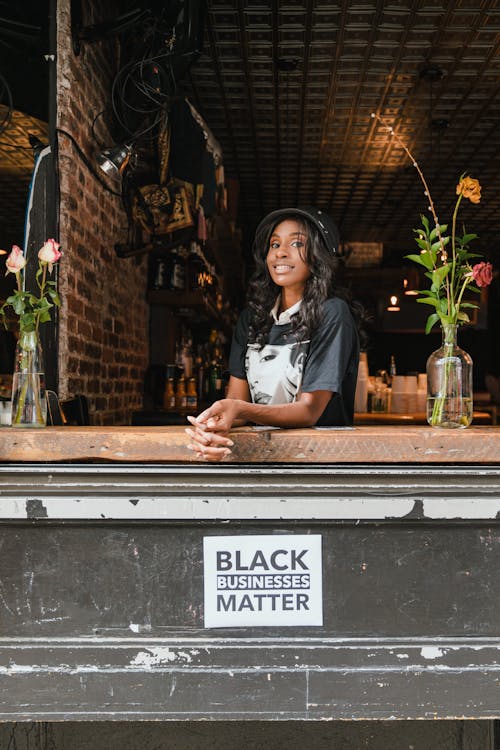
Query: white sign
x=263 y=580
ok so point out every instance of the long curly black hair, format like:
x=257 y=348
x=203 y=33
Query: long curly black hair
x=262 y=291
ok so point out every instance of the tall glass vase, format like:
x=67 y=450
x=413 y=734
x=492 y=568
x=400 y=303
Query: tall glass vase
x=449 y=383
x=29 y=404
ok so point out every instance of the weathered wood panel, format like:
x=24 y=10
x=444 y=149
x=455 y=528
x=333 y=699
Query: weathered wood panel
x=399 y=444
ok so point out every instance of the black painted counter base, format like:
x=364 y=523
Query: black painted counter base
x=101 y=593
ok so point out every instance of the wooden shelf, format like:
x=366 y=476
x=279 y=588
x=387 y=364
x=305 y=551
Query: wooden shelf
x=195 y=300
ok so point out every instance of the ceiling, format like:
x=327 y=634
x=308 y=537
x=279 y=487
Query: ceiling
x=288 y=89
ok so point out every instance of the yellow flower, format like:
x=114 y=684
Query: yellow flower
x=469 y=188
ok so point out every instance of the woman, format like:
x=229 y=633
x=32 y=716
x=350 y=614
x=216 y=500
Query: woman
x=295 y=350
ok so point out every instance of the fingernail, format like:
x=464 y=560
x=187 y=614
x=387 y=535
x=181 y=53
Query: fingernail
x=230 y=442
x=226 y=452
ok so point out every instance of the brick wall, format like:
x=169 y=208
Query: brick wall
x=103 y=330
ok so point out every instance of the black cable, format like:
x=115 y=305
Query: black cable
x=87 y=162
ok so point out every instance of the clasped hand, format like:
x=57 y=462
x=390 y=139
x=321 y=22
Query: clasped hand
x=209 y=438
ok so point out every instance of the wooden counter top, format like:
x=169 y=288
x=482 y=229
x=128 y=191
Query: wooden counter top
x=396 y=444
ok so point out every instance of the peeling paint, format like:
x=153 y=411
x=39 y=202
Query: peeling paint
x=160 y=655
x=35 y=509
x=431 y=652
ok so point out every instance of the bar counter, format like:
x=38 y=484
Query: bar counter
x=106 y=610
x=381 y=444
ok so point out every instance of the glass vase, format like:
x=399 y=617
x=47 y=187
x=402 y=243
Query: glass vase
x=449 y=383
x=29 y=404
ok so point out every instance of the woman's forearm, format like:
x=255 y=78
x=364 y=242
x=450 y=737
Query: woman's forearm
x=302 y=413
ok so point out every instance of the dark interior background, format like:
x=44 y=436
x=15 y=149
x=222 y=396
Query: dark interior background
x=288 y=89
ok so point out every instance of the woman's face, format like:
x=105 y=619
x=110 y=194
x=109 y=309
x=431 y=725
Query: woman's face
x=285 y=256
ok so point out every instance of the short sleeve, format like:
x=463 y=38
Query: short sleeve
x=239 y=345
x=333 y=352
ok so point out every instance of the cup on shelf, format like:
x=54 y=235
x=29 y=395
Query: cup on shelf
x=411 y=393
x=5 y=413
x=399 y=398
x=422 y=392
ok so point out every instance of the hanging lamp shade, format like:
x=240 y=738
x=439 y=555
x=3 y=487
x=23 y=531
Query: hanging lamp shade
x=114 y=160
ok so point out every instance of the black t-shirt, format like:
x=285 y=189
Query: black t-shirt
x=285 y=366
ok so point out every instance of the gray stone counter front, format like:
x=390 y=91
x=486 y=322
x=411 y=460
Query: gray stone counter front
x=105 y=603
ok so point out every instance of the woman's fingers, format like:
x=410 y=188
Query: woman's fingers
x=209 y=445
x=216 y=454
x=213 y=439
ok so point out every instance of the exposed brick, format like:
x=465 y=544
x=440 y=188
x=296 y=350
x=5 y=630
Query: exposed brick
x=99 y=289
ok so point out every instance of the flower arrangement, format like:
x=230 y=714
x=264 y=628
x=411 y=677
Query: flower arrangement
x=28 y=389
x=447 y=262
x=450 y=273
x=32 y=309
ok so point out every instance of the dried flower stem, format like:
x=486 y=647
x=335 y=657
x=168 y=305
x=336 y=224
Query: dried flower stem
x=415 y=163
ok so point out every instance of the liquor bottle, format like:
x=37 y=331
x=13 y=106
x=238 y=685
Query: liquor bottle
x=160 y=273
x=176 y=270
x=214 y=381
x=392 y=369
x=180 y=394
x=169 y=395
x=215 y=375
x=191 y=395
x=186 y=356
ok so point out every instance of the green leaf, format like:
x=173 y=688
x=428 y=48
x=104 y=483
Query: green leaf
x=431 y=321
x=429 y=301
x=469 y=304
x=18 y=305
x=443 y=304
x=437 y=246
x=423 y=259
x=463 y=316
x=468 y=238
x=422 y=243
x=439 y=275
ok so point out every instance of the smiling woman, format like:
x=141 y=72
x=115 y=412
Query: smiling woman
x=294 y=354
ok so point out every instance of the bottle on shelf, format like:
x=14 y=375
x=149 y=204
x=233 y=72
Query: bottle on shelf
x=191 y=395
x=176 y=270
x=214 y=381
x=159 y=273
x=180 y=394
x=169 y=395
x=186 y=356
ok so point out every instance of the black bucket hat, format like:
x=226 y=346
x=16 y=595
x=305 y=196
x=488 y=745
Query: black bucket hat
x=323 y=222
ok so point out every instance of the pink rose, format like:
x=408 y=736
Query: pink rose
x=50 y=252
x=15 y=260
x=482 y=273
